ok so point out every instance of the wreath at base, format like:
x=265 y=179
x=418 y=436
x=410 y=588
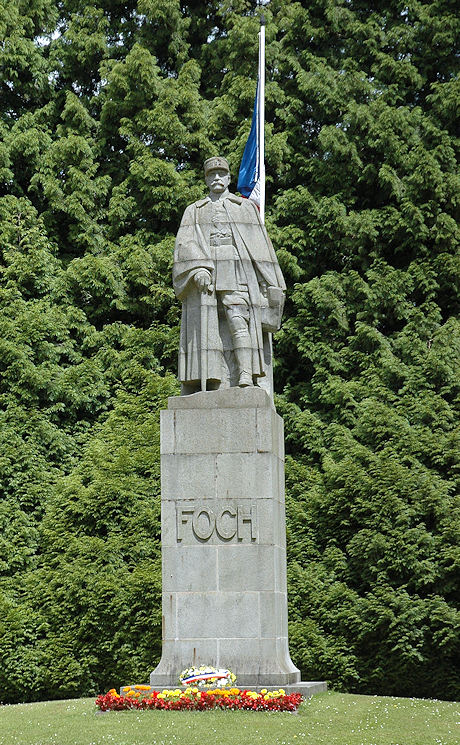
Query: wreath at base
x=207 y=677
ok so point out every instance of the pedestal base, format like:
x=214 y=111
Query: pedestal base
x=224 y=538
x=306 y=688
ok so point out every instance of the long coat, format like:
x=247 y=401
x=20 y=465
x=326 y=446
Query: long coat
x=192 y=252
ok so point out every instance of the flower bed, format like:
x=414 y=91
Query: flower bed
x=191 y=699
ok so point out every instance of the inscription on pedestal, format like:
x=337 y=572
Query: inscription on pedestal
x=233 y=522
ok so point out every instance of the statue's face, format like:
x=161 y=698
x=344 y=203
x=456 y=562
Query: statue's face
x=217 y=180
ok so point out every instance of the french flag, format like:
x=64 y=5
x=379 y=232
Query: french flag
x=251 y=177
x=249 y=174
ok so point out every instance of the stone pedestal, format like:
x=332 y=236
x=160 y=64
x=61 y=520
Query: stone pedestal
x=224 y=538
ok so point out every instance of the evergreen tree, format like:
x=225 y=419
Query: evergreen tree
x=108 y=109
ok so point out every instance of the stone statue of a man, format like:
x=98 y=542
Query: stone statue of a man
x=232 y=290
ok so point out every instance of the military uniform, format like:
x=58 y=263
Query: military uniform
x=226 y=239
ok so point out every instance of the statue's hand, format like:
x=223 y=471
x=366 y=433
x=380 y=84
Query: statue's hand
x=263 y=288
x=202 y=280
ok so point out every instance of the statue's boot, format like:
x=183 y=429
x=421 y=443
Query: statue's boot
x=245 y=379
x=244 y=359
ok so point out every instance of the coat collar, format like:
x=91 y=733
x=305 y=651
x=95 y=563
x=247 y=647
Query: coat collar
x=230 y=197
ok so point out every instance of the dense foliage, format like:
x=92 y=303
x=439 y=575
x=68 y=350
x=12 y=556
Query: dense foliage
x=108 y=109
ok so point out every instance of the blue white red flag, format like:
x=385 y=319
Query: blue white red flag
x=249 y=174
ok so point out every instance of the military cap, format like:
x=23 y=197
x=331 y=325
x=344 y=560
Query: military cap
x=214 y=164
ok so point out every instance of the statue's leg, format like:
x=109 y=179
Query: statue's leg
x=241 y=340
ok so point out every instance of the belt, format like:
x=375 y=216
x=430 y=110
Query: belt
x=225 y=240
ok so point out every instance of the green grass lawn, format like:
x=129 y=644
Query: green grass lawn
x=326 y=719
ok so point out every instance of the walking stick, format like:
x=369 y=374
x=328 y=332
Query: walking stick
x=204 y=337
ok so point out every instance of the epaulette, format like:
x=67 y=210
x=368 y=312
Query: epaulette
x=234 y=198
x=202 y=202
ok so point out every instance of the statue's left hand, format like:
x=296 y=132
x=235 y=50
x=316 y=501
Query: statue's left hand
x=202 y=280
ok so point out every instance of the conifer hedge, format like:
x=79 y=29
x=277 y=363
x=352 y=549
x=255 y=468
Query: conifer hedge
x=107 y=110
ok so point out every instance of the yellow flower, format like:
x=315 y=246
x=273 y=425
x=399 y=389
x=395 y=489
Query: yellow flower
x=195 y=690
x=234 y=691
x=264 y=690
x=161 y=695
x=282 y=692
x=126 y=688
x=142 y=688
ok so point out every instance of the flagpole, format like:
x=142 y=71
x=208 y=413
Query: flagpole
x=261 y=132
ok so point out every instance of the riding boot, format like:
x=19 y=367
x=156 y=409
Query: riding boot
x=244 y=359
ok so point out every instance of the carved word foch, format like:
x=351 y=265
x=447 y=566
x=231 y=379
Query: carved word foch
x=227 y=523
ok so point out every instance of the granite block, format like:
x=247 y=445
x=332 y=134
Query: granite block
x=234 y=521
x=257 y=571
x=167 y=439
x=273 y=615
x=217 y=615
x=190 y=569
x=188 y=476
x=244 y=476
x=229 y=398
x=215 y=431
